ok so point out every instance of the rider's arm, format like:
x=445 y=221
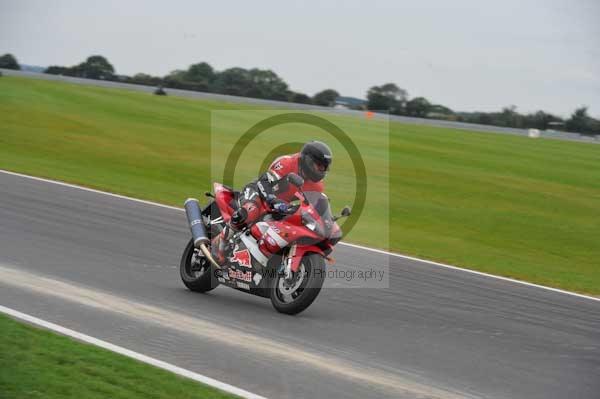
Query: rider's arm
x=270 y=185
x=262 y=194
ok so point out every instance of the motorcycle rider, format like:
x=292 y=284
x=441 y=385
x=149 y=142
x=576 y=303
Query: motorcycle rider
x=272 y=192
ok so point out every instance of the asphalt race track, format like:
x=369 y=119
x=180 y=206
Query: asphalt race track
x=108 y=267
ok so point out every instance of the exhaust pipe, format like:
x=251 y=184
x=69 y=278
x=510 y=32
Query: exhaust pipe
x=194 y=217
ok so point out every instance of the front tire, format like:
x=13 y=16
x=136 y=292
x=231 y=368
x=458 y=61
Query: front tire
x=294 y=298
x=196 y=271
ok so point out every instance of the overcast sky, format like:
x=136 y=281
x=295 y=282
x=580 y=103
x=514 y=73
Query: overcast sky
x=469 y=55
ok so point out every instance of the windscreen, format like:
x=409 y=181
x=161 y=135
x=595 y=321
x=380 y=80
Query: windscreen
x=320 y=203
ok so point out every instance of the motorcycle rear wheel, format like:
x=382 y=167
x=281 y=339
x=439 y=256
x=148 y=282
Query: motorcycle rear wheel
x=196 y=274
x=294 y=298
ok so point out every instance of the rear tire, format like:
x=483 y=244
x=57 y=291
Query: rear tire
x=314 y=267
x=197 y=274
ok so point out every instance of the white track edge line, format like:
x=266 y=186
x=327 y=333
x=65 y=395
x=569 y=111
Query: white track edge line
x=62 y=183
x=380 y=251
x=131 y=354
x=512 y=280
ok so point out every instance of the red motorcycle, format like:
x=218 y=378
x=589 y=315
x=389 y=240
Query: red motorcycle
x=281 y=257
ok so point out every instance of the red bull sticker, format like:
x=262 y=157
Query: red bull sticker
x=242 y=258
x=240 y=275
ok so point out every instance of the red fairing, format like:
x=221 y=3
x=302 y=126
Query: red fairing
x=300 y=251
x=268 y=245
x=273 y=236
x=223 y=198
x=255 y=209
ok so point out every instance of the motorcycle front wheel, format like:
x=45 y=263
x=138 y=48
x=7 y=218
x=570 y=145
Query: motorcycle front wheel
x=294 y=296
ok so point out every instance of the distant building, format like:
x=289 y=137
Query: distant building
x=350 y=103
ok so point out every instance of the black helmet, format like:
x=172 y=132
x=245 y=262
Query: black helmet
x=315 y=160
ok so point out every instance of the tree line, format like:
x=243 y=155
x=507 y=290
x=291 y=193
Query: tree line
x=395 y=99
x=254 y=82
x=266 y=84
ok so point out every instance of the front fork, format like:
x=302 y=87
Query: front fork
x=287 y=262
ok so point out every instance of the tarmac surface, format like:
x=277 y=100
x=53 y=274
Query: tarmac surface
x=108 y=267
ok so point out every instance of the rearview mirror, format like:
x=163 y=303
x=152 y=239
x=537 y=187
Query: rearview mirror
x=345 y=213
x=294 y=179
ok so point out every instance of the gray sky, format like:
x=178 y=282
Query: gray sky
x=469 y=55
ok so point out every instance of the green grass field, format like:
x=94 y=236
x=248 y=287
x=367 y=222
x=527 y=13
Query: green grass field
x=512 y=206
x=36 y=363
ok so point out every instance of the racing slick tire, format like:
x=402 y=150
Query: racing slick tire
x=294 y=298
x=197 y=276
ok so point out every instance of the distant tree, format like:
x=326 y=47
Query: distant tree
x=484 y=118
x=96 y=67
x=539 y=120
x=325 y=98
x=178 y=79
x=441 y=109
x=257 y=83
x=234 y=81
x=388 y=97
x=141 y=77
x=266 y=84
x=176 y=75
x=56 y=70
x=201 y=73
x=8 y=61
x=595 y=127
x=300 y=98
x=145 y=79
x=580 y=122
x=438 y=111
x=418 y=106
x=509 y=116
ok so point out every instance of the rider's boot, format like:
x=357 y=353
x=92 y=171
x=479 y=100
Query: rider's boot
x=219 y=243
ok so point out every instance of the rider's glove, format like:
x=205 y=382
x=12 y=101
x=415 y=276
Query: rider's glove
x=280 y=206
x=271 y=198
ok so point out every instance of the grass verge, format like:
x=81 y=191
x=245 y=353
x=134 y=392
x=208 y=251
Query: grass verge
x=507 y=205
x=36 y=363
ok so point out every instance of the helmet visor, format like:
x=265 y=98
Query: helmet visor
x=319 y=166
